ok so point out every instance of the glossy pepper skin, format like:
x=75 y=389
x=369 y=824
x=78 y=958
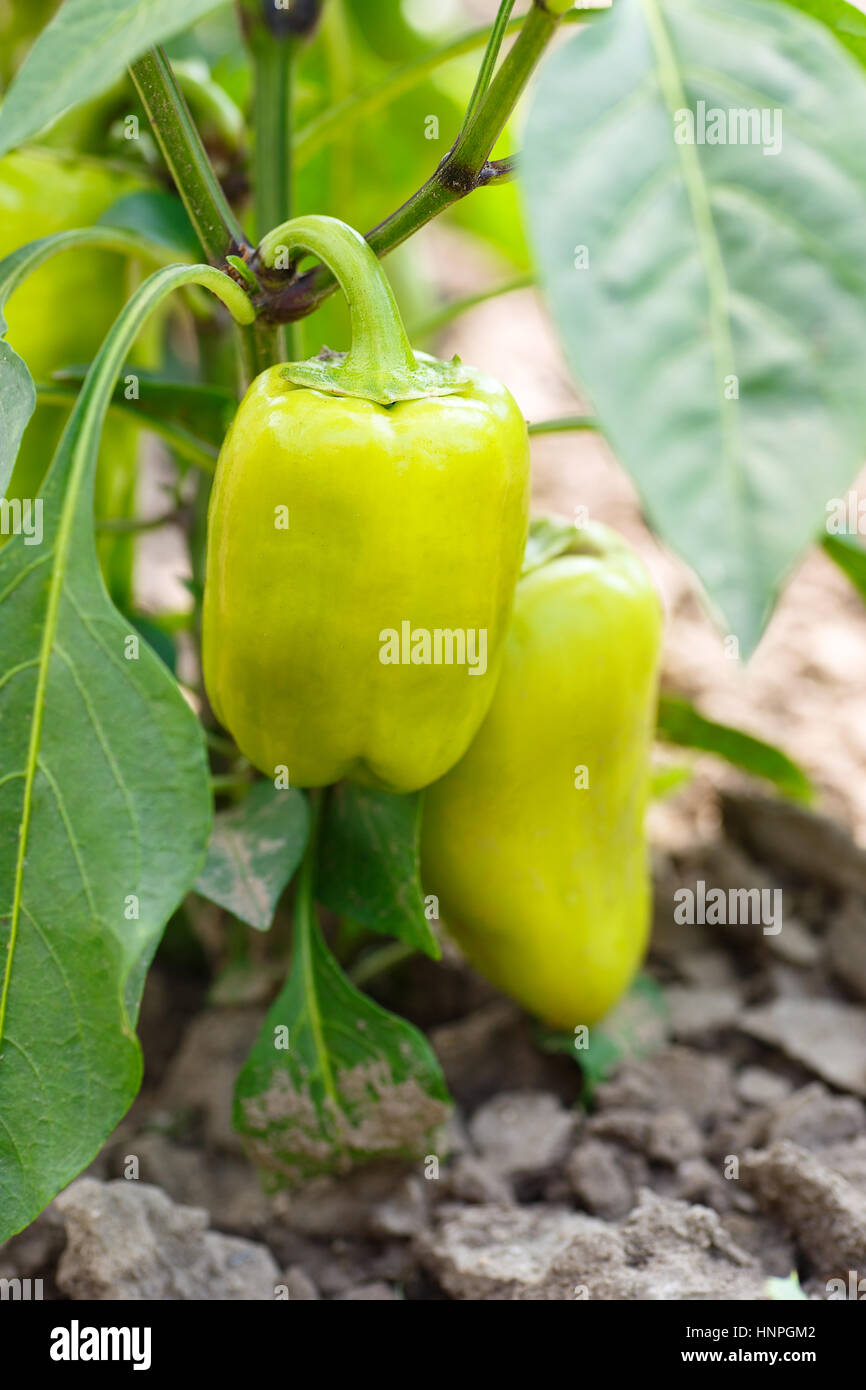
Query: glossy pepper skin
x=59 y=317
x=543 y=883
x=413 y=512
x=367 y=522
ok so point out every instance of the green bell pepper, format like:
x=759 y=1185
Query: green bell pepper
x=364 y=539
x=534 y=843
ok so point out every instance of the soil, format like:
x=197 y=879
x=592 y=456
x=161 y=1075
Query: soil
x=735 y=1154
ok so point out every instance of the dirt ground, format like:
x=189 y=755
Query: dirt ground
x=735 y=1154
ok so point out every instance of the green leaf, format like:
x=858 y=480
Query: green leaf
x=254 y=850
x=369 y=865
x=850 y=556
x=334 y=1080
x=192 y=417
x=84 y=49
x=718 y=318
x=17 y=394
x=679 y=722
x=637 y=1027
x=104 y=813
x=157 y=217
x=17 y=403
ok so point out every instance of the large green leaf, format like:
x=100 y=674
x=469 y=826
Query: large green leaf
x=334 y=1080
x=104 y=812
x=717 y=318
x=82 y=52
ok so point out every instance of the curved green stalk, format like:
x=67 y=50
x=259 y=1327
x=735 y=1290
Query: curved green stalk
x=380 y=365
x=216 y=226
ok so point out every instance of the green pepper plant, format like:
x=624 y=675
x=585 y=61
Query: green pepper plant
x=391 y=705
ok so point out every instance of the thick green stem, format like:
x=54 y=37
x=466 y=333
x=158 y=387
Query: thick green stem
x=488 y=62
x=272 y=78
x=380 y=365
x=463 y=169
x=273 y=63
x=327 y=126
x=481 y=132
x=379 y=342
x=217 y=227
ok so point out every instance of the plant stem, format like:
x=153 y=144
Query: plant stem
x=385 y=958
x=272 y=180
x=322 y=129
x=563 y=423
x=463 y=169
x=152 y=523
x=488 y=62
x=379 y=342
x=227 y=781
x=440 y=318
x=217 y=227
x=477 y=139
x=272 y=79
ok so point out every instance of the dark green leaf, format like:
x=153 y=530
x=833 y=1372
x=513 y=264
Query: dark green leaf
x=679 y=722
x=160 y=641
x=84 y=49
x=369 y=863
x=712 y=297
x=158 y=217
x=333 y=1079
x=187 y=413
x=254 y=850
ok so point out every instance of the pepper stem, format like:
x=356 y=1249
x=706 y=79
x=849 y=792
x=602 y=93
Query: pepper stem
x=380 y=365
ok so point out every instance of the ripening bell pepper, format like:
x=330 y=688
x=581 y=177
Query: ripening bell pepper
x=59 y=317
x=534 y=843
x=365 y=534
